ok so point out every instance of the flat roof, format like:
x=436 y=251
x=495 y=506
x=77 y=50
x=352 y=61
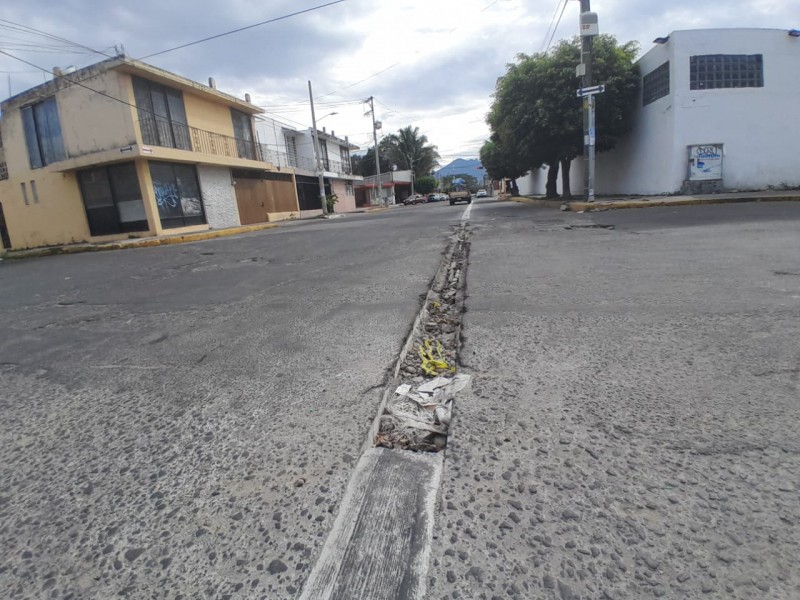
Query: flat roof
x=132 y=67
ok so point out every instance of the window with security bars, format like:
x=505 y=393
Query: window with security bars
x=717 y=71
x=655 y=84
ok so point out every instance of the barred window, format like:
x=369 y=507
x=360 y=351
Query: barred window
x=715 y=71
x=3 y=170
x=655 y=84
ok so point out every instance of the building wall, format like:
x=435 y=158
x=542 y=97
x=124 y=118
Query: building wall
x=58 y=217
x=219 y=196
x=206 y=114
x=758 y=127
x=644 y=161
x=91 y=122
x=347 y=202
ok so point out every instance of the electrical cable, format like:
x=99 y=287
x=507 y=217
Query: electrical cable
x=555 y=29
x=219 y=35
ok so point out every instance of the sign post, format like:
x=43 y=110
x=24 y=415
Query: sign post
x=589 y=139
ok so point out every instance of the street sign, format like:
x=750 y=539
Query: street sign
x=590 y=91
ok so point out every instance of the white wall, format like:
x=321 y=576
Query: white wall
x=758 y=127
x=219 y=196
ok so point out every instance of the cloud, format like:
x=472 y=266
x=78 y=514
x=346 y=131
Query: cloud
x=437 y=60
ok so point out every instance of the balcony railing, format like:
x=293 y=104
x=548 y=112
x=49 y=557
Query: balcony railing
x=160 y=132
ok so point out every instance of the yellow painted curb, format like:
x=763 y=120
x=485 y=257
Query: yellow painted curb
x=621 y=204
x=148 y=243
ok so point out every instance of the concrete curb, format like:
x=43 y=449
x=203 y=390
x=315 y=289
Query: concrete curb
x=144 y=243
x=621 y=204
x=533 y=201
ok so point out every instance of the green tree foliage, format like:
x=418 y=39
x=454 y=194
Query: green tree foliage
x=408 y=147
x=425 y=185
x=537 y=118
x=501 y=164
x=364 y=164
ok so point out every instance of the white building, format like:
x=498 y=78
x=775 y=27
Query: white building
x=290 y=147
x=719 y=110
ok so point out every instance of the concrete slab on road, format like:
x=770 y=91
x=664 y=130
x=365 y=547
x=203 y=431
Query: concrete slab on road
x=632 y=430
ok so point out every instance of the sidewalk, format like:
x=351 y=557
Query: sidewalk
x=651 y=201
x=631 y=432
x=166 y=240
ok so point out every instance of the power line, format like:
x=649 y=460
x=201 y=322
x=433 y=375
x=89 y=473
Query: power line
x=11 y=25
x=232 y=31
x=555 y=29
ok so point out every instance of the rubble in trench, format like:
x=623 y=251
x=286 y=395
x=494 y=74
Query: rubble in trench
x=418 y=413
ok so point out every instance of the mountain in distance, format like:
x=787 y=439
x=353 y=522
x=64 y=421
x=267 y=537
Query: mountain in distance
x=462 y=166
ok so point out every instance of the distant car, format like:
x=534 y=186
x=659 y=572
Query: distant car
x=481 y=194
x=460 y=196
x=415 y=199
x=433 y=197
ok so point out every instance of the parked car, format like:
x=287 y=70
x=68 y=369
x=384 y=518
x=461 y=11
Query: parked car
x=433 y=197
x=481 y=194
x=415 y=199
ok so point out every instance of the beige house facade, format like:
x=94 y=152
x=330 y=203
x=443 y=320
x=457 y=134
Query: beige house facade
x=123 y=149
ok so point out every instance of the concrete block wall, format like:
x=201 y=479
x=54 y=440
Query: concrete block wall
x=219 y=196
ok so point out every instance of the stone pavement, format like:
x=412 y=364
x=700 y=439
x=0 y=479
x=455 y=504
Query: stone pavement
x=633 y=428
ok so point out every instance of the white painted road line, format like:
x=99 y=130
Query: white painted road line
x=466 y=213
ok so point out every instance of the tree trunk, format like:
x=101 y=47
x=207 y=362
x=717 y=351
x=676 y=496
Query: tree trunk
x=551 y=189
x=566 y=192
x=514 y=188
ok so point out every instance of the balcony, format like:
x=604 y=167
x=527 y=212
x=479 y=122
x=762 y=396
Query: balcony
x=166 y=134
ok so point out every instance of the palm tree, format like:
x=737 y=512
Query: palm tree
x=407 y=149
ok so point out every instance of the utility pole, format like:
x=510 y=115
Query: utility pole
x=315 y=134
x=588 y=29
x=377 y=154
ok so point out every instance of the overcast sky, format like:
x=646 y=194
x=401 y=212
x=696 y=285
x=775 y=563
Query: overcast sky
x=429 y=63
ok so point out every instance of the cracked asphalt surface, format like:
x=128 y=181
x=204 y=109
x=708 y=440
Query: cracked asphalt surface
x=182 y=421
x=633 y=427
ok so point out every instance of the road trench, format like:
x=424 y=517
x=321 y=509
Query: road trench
x=380 y=544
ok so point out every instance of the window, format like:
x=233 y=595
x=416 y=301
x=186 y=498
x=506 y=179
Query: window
x=323 y=155
x=291 y=149
x=162 y=116
x=3 y=170
x=243 y=132
x=348 y=188
x=112 y=199
x=345 y=152
x=655 y=84
x=43 y=133
x=715 y=71
x=177 y=194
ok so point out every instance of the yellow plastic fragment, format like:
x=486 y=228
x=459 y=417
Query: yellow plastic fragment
x=432 y=358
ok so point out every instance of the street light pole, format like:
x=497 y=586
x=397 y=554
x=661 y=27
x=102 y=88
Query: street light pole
x=315 y=134
x=377 y=155
x=588 y=30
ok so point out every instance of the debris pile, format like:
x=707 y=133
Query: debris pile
x=417 y=416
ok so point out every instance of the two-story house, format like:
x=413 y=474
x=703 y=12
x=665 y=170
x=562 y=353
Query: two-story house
x=124 y=149
x=296 y=150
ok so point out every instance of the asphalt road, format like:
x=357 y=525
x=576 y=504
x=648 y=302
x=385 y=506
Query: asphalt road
x=633 y=428
x=182 y=421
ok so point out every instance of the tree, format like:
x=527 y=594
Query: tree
x=407 y=149
x=364 y=164
x=425 y=185
x=502 y=164
x=536 y=114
